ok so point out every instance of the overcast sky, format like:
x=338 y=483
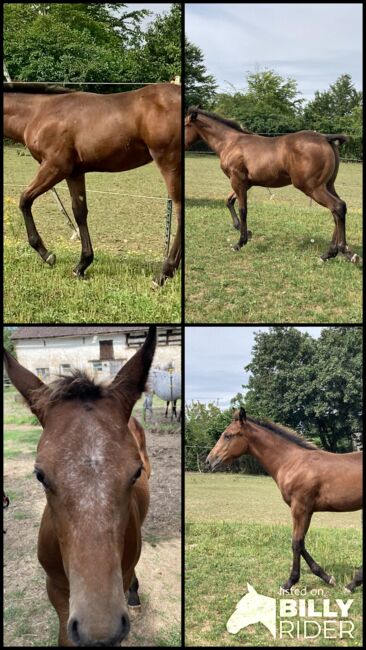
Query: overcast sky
x=215 y=358
x=154 y=7
x=313 y=43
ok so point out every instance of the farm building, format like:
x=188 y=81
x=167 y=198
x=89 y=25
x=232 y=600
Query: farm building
x=49 y=351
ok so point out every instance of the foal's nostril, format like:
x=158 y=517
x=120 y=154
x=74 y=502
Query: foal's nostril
x=125 y=627
x=74 y=631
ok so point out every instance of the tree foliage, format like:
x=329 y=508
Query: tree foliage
x=90 y=42
x=7 y=342
x=199 y=85
x=203 y=426
x=311 y=385
x=271 y=104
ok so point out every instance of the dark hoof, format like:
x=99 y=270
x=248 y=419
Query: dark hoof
x=349 y=589
x=237 y=247
x=332 y=581
x=50 y=259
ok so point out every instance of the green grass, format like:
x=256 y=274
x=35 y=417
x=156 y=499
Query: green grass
x=128 y=238
x=237 y=498
x=170 y=638
x=277 y=276
x=238 y=532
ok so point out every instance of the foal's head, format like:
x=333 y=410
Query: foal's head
x=191 y=132
x=232 y=442
x=88 y=463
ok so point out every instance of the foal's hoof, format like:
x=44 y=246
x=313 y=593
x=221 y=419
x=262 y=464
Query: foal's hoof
x=50 y=259
x=78 y=274
x=236 y=248
x=348 y=589
x=158 y=282
x=355 y=259
x=134 y=611
x=332 y=581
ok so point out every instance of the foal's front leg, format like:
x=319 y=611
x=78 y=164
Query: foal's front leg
x=48 y=175
x=240 y=190
x=230 y=202
x=76 y=185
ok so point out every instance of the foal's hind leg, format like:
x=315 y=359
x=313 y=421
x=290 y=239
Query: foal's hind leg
x=76 y=186
x=324 y=197
x=356 y=581
x=48 y=176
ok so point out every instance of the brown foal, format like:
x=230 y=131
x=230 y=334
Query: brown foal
x=71 y=133
x=310 y=479
x=306 y=159
x=93 y=465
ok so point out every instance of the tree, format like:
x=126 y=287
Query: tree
x=313 y=386
x=338 y=110
x=95 y=42
x=161 y=50
x=269 y=104
x=8 y=343
x=200 y=86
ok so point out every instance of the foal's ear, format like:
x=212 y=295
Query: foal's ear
x=193 y=116
x=23 y=380
x=242 y=414
x=130 y=382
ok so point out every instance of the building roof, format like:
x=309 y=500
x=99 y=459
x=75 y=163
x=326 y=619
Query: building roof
x=48 y=331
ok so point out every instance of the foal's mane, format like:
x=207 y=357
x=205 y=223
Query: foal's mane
x=34 y=88
x=68 y=387
x=223 y=120
x=288 y=434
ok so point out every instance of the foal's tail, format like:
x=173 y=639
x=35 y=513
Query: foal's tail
x=337 y=139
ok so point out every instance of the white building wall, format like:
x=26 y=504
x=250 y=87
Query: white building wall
x=78 y=352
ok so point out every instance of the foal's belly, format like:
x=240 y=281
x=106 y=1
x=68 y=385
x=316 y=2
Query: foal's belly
x=119 y=159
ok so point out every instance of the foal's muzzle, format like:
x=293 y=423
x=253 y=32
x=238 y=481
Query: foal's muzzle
x=212 y=462
x=79 y=636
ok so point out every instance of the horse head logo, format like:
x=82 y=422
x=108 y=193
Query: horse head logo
x=253 y=608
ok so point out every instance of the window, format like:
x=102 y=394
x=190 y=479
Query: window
x=65 y=369
x=106 y=350
x=42 y=373
x=97 y=366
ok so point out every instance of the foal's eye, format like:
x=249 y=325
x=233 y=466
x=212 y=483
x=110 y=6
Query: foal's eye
x=40 y=477
x=137 y=475
x=227 y=436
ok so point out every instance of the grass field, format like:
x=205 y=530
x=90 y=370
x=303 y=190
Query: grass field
x=29 y=618
x=277 y=276
x=128 y=236
x=237 y=532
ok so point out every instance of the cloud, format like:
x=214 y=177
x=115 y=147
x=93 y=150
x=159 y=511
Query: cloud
x=215 y=358
x=315 y=43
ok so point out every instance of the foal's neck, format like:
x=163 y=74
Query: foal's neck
x=215 y=134
x=270 y=450
x=18 y=111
